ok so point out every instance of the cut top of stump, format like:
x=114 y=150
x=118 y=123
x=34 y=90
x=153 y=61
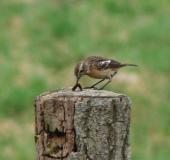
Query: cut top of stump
x=67 y=92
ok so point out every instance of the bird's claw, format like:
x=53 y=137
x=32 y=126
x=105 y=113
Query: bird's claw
x=91 y=88
x=96 y=88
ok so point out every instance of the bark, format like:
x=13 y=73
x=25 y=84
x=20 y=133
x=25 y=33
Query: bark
x=82 y=125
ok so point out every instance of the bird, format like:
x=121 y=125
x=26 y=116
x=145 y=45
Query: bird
x=99 y=68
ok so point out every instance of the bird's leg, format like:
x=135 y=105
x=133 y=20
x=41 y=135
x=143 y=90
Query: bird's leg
x=114 y=74
x=106 y=84
x=95 y=84
x=109 y=80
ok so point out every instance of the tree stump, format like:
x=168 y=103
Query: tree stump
x=82 y=125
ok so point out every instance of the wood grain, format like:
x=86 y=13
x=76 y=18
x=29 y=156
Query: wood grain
x=82 y=125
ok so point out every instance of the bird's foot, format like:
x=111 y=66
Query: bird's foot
x=100 y=89
x=97 y=89
x=91 y=88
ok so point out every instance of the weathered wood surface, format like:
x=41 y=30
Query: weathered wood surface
x=82 y=125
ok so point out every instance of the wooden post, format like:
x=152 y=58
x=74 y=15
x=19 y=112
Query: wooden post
x=82 y=125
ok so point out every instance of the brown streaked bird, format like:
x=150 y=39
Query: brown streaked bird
x=99 y=68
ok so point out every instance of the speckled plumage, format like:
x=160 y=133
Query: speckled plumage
x=99 y=68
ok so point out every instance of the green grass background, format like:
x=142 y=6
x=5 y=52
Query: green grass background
x=40 y=43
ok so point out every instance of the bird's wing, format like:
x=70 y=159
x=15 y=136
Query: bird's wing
x=103 y=63
x=115 y=65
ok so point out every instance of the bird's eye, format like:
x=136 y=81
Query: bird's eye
x=81 y=71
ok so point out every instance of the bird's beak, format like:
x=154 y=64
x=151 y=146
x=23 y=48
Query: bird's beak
x=78 y=78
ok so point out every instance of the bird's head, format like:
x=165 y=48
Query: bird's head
x=80 y=70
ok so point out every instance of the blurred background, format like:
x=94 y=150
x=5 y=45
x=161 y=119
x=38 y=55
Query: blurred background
x=42 y=41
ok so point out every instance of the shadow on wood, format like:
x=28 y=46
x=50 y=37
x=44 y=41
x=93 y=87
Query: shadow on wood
x=82 y=125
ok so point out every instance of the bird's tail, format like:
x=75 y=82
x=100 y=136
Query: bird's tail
x=127 y=64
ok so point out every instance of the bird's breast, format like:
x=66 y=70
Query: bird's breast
x=100 y=74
